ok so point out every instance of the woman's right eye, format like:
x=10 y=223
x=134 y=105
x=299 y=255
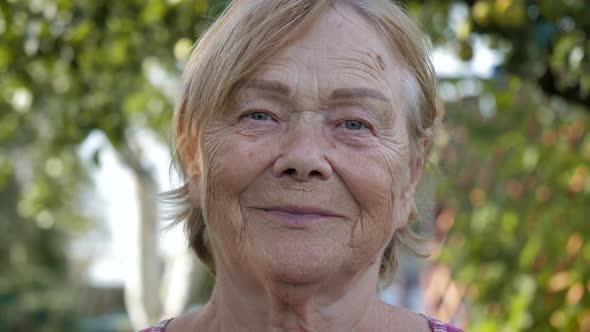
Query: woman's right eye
x=259 y=116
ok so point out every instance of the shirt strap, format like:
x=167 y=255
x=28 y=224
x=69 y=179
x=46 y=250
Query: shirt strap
x=160 y=327
x=438 y=326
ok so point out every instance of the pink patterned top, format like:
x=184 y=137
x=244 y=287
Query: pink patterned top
x=435 y=324
x=438 y=326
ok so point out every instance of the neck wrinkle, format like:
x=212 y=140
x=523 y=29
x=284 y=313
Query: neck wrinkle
x=352 y=304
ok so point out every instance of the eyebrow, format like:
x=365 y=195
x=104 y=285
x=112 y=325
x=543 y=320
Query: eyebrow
x=353 y=93
x=343 y=93
x=267 y=85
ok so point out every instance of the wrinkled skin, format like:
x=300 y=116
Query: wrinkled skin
x=306 y=139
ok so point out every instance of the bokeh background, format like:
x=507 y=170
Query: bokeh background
x=87 y=89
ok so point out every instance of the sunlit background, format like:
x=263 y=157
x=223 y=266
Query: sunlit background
x=87 y=89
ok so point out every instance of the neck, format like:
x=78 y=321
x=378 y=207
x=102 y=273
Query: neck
x=350 y=304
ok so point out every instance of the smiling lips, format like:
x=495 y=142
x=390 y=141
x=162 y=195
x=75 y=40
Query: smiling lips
x=298 y=216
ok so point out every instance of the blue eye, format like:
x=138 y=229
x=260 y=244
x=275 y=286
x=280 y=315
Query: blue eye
x=353 y=125
x=259 y=116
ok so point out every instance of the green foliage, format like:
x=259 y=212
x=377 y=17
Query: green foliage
x=67 y=68
x=517 y=159
x=545 y=41
x=519 y=193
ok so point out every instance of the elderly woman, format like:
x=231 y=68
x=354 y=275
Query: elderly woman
x=302 y=130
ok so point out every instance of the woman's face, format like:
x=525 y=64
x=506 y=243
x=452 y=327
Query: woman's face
x=308 y=174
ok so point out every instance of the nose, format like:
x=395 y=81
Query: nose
x=303 y=154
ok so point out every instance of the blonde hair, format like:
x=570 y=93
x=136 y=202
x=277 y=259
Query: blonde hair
x=246 y=34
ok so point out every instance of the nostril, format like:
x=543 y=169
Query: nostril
x=290 y=171
x=315 y=173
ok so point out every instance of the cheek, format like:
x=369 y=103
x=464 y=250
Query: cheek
x=234 y=161
x=375 y=179
x=231 y=162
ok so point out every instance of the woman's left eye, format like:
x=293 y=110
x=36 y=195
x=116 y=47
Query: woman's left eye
x=259 y=116
x=352 y=125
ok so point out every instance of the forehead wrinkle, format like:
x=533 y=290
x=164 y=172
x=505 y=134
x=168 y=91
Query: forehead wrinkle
x=278 y=63
x=304 y=91
x=353 y=93
x=276 y=70
x=364 y=78
x=266 y=85
x=367 y=58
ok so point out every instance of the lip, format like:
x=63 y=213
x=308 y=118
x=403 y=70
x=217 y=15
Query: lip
x=298 y=216
x=302 y=210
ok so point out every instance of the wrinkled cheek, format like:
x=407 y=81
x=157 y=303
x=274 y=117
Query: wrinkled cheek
x=377 y=185
x=223 y=219
x=232 y=164
x=222 y=182
x=369 y=185
x=398 y=181
x=369 y=234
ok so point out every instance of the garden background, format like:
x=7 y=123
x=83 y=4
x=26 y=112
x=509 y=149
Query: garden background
x=87 y=89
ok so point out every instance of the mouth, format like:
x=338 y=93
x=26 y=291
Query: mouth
x=302 y=210
x=298 y=216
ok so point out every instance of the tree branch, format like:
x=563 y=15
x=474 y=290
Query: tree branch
x=547 y=82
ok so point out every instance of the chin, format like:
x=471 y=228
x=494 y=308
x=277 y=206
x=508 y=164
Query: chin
x=299 y=262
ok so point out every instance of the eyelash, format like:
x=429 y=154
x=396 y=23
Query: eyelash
x=361 y=123
x=250 y=114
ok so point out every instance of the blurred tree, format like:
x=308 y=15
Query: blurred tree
x=33 y=294
x=516 y=151
x=544 y=41
x=517 y=198
x=67 y=68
